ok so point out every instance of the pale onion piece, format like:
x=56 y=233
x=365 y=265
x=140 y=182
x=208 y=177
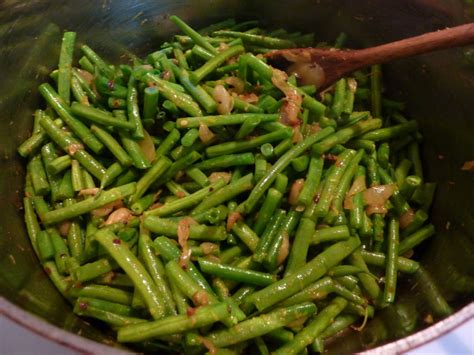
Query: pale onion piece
x=88 y=77
x=376 y=209
x=74 y=147
x=357 y=186
x=297 y=135
x=89 y=192
x=236 y=83
x=307 y=73
x=376 y=196
x=292 y=102
x=64 y=228
x=224 y=100
x=232 y=218
x=222 y=47
x=295 y=191
x=122 y=215
x=107 y=209
x=314 y=128
x=220 y=175
x=147 y=66
x=183 y=236
x=250 y=98
x=352 y=84
x=166 y=75
x=200 y=298
x=205 y=134
x=147 y=147
x=209 y=345
x=407 y=218
x=284 y=249
x=209 y=248
x=468 y=165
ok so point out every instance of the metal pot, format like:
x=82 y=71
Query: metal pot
x=437 y=89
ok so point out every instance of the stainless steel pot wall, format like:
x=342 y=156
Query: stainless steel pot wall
x=437 y=88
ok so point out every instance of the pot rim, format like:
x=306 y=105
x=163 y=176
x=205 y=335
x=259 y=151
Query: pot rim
x=83 y=345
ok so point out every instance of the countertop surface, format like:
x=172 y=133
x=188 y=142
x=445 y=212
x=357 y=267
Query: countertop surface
x=15 y=340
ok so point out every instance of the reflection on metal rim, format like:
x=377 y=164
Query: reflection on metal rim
x=429 y=334
x=83 y=345
x=72 y=341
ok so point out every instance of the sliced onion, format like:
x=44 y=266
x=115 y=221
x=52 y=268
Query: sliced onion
x=64 y=228
x=209 y=248
x=220 y=175
x=376 y=209
x=297 y=135
x=88 y=77
x=232 y=218
x=468 y=165
x=200 y=298
x=222 y=47
x=295 y=191
x=352 y=84
x=407 y=218
x=122 y=215
x=236 y=83
x=307 y=73
x=74 y=147
x=250 y=98
x=107 y=209
x=292 y=102
x=376 y=196
x=205 y=134
x=314 y=128
x=284 y=249
x=183 y=236
x=209 y=345
x=148 y=147
x=357 y=186
x=225 y=102
x=89 y=192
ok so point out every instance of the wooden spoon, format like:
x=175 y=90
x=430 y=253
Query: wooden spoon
x=336 y=63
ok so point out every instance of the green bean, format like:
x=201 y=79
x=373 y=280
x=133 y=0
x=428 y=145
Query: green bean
x=156 y=271
x=414 y=156
x=379 y=259
x=65 y=189
x=215 y=62
x=236 y=274
x=330 y=234
x=345 y=134
x=388 y=133
x=198 y=176
x=134 y=269
x=303 y=276
x=72 y=147
x=181 y=100
x=99 y=116
x=92 y=270
x=401 y=171
x=260 y=325
x=76 y=126
x=113 y=103
x=258 y=40
x=32 y=226
x=88 y=205
x=76 y=75
x=197 y=92
x=411 y=241
x=169 y=228
x=367 y=281
x=223 y=120
x=432 y=294
x=269 y=206
x=311 y=184
x=331 y=186
x=84 y=309
x=38 y=176
x=399 y=202
x=58 y=165
x=391 y=261
x=225 y=193
x=104 y=293
x=376 y=90
x=272 y=227
x=76 y=176
x=204 y=316
x=97 y=61
x=315 y=328
x=114 y=147
x=86 y=64
x=279 y=166
x=45 y=246
x=246 y=235
x=64 y=66
x=195 y=36
x=168 y=143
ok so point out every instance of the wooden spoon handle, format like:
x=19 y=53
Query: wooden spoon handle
x=442 y=39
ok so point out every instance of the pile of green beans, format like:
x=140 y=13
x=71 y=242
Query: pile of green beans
x=186 y=224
